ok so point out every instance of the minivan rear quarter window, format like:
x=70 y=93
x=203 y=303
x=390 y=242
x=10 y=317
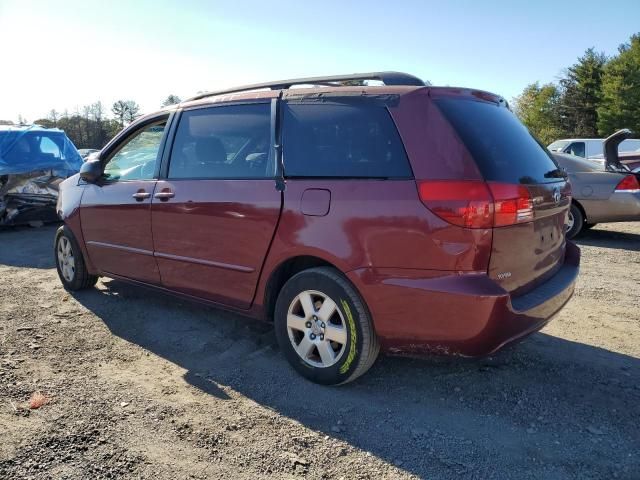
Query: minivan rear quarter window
x=342 y=141
x=500 y=144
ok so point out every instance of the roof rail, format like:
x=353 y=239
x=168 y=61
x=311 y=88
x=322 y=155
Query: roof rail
x=388 y=78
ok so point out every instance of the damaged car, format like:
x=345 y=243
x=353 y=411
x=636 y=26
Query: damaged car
x=33 y=162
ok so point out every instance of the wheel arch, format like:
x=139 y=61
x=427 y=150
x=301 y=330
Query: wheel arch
x=283 y=272
x=581 y=208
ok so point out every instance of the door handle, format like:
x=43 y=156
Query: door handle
x=141 y=195
x=165 y=195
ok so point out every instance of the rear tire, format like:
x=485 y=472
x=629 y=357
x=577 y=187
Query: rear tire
x=576 y=221
x=324 y=328
x=70 y=263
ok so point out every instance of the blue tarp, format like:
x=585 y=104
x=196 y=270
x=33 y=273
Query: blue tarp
x=28 y=149
x=33 y=162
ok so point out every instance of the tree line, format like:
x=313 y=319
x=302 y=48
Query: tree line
x=93 y=126
x=594 y=97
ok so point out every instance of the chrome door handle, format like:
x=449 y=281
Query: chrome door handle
x=141 y=195
x=164 y=195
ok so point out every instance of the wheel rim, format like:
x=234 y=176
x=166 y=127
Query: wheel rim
x=317 y=330
x=65 y=259
x=570 y=222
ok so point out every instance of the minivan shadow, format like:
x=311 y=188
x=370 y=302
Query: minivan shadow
x=422 y=415
x=610 y=239
x=21 y=246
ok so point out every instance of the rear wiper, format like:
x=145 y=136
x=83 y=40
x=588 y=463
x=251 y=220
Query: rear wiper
x=556 y=173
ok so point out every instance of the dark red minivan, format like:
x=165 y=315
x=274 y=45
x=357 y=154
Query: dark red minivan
x=406 y=217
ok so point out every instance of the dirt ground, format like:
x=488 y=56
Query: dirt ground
x=147 y=386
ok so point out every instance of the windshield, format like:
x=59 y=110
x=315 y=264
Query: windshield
x=558 y=145
x=629 y=146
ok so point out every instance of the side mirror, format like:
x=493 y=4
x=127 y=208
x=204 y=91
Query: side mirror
x=91 y=171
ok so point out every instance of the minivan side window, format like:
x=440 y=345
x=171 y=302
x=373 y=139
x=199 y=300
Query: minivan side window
x=577 y=149
x=223 y=142
x=355 y=140
x=136 y=158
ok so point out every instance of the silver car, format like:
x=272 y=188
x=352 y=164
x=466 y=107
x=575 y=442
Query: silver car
x=589 y=147
x=603 y=191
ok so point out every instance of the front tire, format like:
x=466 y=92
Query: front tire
x=324 y=328
x=70 y=264
x=575 y=221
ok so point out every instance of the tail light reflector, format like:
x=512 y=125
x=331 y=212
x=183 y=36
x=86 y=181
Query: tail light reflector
x=476 y=204
x=628 y=184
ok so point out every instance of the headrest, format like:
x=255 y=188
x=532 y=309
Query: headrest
x=210 y=150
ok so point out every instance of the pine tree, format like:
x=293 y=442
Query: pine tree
x=119 y=110
x=171 y=100
x=620 y=107
x=581 y=94
x=132 y=112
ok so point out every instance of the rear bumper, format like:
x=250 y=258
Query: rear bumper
x=468 y=314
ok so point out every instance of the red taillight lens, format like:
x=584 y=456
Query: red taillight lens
x=512 y=204
x=476 y=204
x=628 y=184
x=466 y=204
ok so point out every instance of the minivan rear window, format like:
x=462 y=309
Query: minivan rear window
x=500 y=144
x=342 y=140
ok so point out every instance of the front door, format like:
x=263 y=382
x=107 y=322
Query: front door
x=216 y=212
x=116 y=212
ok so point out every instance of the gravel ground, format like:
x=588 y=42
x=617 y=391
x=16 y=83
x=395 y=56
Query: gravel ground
x=146 y=386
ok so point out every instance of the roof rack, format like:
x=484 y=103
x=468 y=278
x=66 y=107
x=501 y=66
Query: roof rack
x=388 y=78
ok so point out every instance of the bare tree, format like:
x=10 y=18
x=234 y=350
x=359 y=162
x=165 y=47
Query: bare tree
x=53 y=116
x=97 y=111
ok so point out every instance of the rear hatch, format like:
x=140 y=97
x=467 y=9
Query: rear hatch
x=531 y=196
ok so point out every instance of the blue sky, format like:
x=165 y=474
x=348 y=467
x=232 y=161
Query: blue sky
x=66 y=54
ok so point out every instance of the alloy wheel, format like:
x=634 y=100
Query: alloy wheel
x=570 y=222
x=316 y=328
x=65 y=259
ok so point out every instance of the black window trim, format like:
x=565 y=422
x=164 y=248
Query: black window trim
x=166 y=158
x=333 y=101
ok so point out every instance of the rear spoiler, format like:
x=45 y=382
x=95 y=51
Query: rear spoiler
x=610 y=149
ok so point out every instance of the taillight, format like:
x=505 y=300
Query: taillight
x=476 y=204
x=466 y=204
x=628 y=184
x=512 y=204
